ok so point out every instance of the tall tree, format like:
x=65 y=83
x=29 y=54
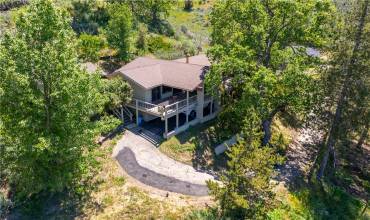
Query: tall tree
x=119 y=29
x=260 y=58
x=119 y=93
x=350 y=70
x=46 y=103
x=246 y=192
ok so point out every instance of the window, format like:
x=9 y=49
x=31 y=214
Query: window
x=166 y=89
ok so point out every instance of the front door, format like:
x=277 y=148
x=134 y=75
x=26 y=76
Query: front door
x=156 y=94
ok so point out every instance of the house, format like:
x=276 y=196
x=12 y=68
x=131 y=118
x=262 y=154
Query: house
x=169 y=93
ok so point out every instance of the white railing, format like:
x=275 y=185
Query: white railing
x=161 y=110
x=125 y=109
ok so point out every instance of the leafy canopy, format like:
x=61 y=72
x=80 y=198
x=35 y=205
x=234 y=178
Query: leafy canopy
x=119 y=30
x=259 y=54
x=246 y=191
x=46 y=103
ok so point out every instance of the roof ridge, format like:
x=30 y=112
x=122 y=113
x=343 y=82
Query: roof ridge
x=174 y=61
x=138 y=67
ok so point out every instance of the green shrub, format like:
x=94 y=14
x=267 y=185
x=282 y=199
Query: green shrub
x=157 y=42
x=141 y=40
x=89 y=47
x=204 y=214
x=119 y=181
x=280 y=142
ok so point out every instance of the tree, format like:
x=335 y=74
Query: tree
x=119 y=93
x=245 y=192
x=46 y=103
x=349 y=73
x=153 y=13
x=88 y=16
x=142 y=41
x=259 y=56
x=119 y=30
x=89 y=47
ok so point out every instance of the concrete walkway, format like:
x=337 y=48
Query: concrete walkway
x=143 y=161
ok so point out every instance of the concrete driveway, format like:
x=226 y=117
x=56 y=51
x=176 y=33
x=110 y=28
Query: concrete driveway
x=143 y=161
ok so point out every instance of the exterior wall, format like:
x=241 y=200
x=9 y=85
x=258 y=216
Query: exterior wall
x=139 y=92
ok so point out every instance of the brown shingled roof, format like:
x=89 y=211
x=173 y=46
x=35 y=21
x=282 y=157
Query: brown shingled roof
x=149 y=73
x=200 y=59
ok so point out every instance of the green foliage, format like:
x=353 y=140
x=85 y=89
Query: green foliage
x=168 y=48
x=89 y=47
x=89 y=16
x=158 y=42
x=119 y=30
x=47 y=101
x=329 y=202
x=279 y=142
x=246 y=191
x=204 y=214
x=260 y=58
x=345 y=84
x=118 y=91
x=107 y=123
x=142 y=41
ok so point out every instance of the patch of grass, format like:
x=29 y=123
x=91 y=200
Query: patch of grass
x=195 y=21
x=316 y=202
x=118 y=181
x=195 y=146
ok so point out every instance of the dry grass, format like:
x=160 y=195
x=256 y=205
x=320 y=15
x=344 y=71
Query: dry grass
x=196 y=146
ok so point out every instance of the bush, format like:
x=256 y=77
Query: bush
x=279 y=142
x=157 y=42
x=142 y=41
x=163 y=27
x=89 y=47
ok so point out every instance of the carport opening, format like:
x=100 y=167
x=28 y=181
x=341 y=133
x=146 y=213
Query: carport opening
x=157 y=126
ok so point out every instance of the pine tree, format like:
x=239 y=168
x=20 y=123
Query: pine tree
x=349 y=73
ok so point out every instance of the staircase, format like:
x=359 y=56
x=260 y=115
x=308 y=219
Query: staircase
x=148 y=135
x=127 y=116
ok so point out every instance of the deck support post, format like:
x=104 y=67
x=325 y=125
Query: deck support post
x=187 y=107
x=165 y=126
x=177 y=115
x=137 y=112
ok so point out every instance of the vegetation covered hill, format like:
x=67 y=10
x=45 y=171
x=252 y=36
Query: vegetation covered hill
x=271 y=89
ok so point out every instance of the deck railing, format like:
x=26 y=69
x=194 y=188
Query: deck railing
x=161 y=110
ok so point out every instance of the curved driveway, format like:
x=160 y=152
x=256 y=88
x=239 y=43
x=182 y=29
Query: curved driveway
x=143 y=161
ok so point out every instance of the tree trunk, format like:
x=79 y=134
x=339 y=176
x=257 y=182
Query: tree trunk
x=343 y=95
x=363 y=137
x=266 y=125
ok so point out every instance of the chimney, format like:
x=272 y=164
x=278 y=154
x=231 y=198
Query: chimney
x=187 y=57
